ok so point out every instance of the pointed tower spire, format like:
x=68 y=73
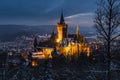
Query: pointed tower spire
x=77 y=31
x=62 y=19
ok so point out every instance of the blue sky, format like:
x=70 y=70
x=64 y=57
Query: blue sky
x=40 y=12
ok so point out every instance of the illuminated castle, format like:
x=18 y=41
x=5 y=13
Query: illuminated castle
x=61 y=29
x=64 y=43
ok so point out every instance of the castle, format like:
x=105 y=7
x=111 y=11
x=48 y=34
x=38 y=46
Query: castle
x=60 y=42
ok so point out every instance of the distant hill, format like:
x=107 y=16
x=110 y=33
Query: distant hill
x=10 y=32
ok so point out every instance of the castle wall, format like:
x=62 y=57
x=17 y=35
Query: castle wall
x=59 y=32
x=74 y=50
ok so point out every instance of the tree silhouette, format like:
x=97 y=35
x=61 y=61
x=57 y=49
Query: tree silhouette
x=107 y=22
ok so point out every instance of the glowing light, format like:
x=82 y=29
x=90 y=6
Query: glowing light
x=38 y=55
x=88 y=51
x=57 y=40
x=69 y=44
x=34 y=63
x=47 y=52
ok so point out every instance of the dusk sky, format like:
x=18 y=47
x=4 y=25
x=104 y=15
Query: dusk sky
x=47 y=12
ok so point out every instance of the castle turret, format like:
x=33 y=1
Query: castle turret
x=77 y=31
x=62 y=19
x=61 y=29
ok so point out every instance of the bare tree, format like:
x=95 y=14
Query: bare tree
x=107 y=22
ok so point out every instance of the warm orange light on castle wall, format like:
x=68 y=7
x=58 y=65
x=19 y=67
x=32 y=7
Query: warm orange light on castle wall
x=47 y=52
x=60 y=32
x=74 y=50
x=57 y=40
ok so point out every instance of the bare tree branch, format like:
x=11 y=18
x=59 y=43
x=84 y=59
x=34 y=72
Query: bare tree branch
x=115 y=37
x=107 y=21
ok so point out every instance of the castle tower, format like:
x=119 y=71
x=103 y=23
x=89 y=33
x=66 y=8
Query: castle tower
x=61 y=29
x=53 y=36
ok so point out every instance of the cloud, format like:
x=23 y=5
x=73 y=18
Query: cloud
x=45 y=11
x=79 y=15
x=83 y=19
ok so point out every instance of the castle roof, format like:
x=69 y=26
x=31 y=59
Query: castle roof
x=62 y=19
